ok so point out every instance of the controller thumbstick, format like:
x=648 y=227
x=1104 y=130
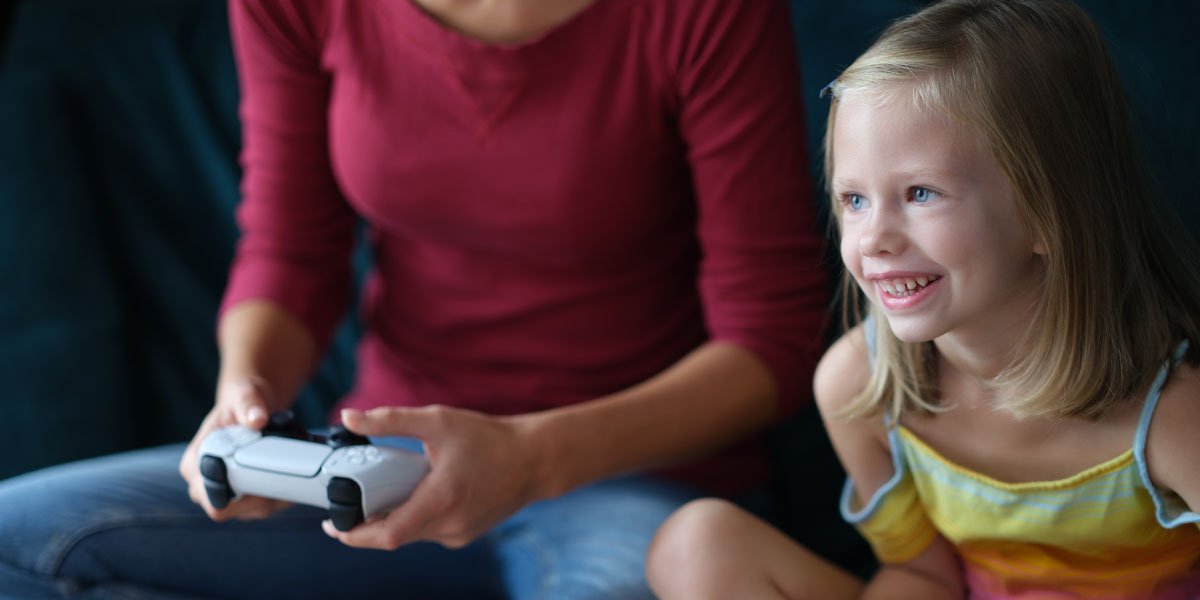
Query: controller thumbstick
x=285 y=424
x=339 y=437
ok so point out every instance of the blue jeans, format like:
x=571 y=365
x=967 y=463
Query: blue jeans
x=123 y=526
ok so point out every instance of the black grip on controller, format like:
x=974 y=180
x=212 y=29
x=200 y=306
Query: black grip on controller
x=216 y=481
x=345 y=503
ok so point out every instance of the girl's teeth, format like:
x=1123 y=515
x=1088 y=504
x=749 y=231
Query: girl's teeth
x=905 y=287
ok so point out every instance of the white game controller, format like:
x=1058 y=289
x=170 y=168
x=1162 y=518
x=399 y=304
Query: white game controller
x=342 y=471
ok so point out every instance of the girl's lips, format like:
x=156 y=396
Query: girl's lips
x=893 y=299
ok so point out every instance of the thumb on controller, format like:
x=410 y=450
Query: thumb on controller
x=385 y=421
x=248 y=398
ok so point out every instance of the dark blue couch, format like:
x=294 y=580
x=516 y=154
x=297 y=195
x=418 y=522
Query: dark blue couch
x=118 y=176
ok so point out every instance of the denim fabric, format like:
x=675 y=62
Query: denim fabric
x=123 y=527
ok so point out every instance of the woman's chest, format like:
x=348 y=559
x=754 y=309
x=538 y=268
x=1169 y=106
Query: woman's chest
x=578 y=150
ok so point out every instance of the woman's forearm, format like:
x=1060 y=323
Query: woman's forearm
x=260 y=340
x=711 y=398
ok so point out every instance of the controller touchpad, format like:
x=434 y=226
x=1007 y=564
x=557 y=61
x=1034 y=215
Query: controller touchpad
x=284 y=455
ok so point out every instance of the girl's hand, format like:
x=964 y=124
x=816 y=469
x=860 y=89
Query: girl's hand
x=239 y=402
x=481 y=472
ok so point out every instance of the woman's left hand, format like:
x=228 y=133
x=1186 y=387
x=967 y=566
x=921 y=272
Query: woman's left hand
x=482 y=470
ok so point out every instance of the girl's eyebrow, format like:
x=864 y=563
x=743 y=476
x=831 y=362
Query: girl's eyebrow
x=929 y=173
x=906 y=175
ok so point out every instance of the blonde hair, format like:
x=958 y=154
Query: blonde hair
x=1033 y=81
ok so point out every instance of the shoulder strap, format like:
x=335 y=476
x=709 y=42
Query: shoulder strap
x=869 y=332
x=1169 y=512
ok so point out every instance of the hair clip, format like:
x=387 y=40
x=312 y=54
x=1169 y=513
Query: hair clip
x=827 y=91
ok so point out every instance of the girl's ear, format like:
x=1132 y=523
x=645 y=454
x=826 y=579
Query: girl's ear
x=1039 y=247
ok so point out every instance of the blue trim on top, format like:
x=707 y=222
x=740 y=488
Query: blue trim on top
x=899 y=463
x=869 y=333
x=1182 y=517
x=866 y=512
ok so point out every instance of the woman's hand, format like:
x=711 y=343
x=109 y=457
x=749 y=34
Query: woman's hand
x=239 y=402
x=482 y=471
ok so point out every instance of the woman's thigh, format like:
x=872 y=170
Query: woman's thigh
x=588 y=544
x=123 y=526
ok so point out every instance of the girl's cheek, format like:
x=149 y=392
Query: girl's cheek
x=849 y=251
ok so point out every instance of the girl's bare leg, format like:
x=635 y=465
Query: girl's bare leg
x=713 y=549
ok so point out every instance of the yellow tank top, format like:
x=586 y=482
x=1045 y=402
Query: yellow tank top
x=1107 y=532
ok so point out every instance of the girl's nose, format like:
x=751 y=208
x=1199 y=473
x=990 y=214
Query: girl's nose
x=882 y=234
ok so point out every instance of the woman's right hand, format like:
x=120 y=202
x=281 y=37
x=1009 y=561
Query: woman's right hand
x=243 y=401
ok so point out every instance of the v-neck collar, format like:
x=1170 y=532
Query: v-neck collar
x=468 y=54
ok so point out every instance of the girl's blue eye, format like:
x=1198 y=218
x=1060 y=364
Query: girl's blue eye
x=921 y=195
x=854 y=202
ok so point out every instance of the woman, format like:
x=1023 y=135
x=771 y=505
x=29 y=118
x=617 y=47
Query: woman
x=594 y=255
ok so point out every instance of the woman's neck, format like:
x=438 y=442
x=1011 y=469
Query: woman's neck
x=503 y=21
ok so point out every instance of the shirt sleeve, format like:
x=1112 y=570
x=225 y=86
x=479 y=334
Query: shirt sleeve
x=740 y=114
x=297 y=230
x=894 y=522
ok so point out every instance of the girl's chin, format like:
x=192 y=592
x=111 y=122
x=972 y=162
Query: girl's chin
x=907 y=331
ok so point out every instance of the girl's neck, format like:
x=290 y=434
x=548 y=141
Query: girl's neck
x=975 y=357
x=982 y=350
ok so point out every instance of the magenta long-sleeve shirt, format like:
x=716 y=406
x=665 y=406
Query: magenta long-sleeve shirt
x=551 y=221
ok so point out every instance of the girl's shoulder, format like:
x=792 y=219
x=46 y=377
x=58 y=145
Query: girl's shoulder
x=843 y=372
x=860 y=441
x=1173 y=437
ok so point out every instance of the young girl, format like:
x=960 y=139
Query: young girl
x=1018 y=413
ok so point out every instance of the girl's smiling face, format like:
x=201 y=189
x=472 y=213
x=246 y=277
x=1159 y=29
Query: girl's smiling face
x=930 y=227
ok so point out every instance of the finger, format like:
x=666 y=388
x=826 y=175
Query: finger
x=410 y=422
x=371 y=534
x=253 y=508
x=381 y=534
x=410 y=522
x=248 y=399
x=246 y=508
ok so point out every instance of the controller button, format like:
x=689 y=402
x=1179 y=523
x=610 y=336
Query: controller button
x=340 y=437
x=356 y=460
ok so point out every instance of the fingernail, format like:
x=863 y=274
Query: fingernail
x=327 y=527
x=350 y=413
x=255 y=413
